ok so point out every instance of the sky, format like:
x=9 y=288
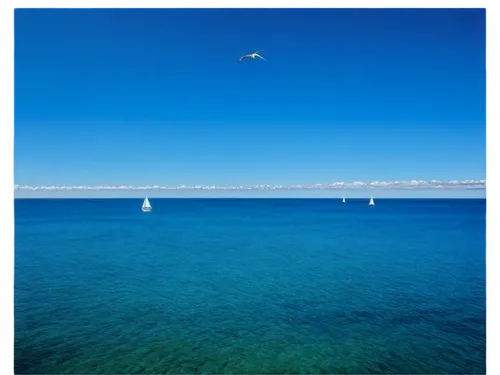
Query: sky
x=145 y=97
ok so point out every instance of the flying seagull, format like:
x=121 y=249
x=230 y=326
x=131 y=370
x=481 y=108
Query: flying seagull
x=252 y=56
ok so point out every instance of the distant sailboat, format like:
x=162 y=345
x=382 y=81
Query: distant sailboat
x=146 y=207
x=372 y=203
x=343 y=200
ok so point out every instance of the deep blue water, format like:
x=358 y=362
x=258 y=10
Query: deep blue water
x=250 y=286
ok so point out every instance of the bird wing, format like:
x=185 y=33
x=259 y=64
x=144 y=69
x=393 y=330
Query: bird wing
x=260 y=50
x=244 y=57
x=260 y=57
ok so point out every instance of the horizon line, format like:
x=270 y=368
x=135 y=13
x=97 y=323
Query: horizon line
x=260 y=198
x=356 y=185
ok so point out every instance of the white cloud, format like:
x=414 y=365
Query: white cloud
x=413 y=184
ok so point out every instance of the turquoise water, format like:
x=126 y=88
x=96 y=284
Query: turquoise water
x=250 y=286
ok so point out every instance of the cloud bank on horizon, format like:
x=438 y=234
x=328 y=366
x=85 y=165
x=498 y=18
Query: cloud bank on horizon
x=405 y=185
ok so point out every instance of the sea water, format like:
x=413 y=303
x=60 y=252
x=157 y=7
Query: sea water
x=239 y=286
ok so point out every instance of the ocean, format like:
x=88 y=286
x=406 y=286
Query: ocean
x=245 y=286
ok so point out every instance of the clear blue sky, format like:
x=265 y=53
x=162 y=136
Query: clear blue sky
x=137 y=97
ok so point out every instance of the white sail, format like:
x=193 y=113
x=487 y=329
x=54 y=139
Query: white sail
x=343 y=200
x=372 y=203
x=146 y=206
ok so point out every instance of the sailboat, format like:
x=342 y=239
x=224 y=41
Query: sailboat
x=146 y=207
x=343 y=200
x=372 y=203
